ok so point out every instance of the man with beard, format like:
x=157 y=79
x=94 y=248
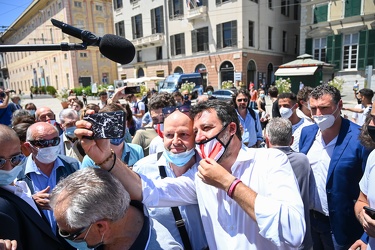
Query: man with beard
x=249 y=119
x=248 y=198
x=178 y=157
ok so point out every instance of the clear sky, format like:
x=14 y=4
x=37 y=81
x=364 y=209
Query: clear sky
x=10 y=10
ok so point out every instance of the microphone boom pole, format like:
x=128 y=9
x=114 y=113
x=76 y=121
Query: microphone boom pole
x=43 y=47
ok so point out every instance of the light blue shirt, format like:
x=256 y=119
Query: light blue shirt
x=148 y=166
x=40 y=181
x=135 y=151
x=250 y=134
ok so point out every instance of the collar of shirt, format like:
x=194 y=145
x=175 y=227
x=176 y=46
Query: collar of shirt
x=31 y=166
x=125 y=151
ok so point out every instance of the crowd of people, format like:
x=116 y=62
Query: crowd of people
x=208 y=175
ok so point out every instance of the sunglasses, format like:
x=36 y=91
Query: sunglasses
x=242 y=100
x=14 y=160
x=73 y=236
x=45 y=143
x=169 y=110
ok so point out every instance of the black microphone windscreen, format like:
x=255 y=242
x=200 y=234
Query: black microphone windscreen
x=117 y=48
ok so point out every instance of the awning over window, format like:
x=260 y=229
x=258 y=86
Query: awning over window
x=300 y=71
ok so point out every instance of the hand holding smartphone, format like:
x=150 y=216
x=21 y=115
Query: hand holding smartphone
x=370 y=212
x=107 y=125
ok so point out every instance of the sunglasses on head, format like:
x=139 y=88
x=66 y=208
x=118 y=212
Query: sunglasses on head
x=169 y=110
x=72 y=236
x=14 y=160
x=45 y=143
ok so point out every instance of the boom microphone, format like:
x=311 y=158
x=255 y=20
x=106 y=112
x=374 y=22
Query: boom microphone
x=113 y=47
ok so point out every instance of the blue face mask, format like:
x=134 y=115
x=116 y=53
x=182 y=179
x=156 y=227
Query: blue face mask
x=78 y=245
x=116 y=141
x=69 y=132
x=31 y=112
x=7 y=177
x=179 y=159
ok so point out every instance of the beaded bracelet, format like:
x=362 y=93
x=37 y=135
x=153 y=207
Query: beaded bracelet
x=107 y=159
x=232 y=187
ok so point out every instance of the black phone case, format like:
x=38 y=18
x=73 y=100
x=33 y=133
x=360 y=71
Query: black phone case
x=370 y=212
x=107 y=125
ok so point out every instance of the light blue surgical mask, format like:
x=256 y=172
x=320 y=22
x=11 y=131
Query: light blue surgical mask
x=78 y=245
x=179 y=159
x=69 y=132
x=116 y=141
x=7 y=177
x=31 y=112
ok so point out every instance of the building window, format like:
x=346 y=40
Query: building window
x=320 y=49
x=284 y=41
x=321 y=13
x=157 y=21
x=199 y=40
x=159 y=53
x=80 y=24
x=255 y=1
x=83 y=54
x=54 y=59
x=120 y=28
x=117 y=4
x=350 y=51
x=59 y=5
x=77 y=4
x=99 y=8
x=352 y=7
x=65 y=56
x=270 y=4
x=139 y=56
x=137 y=26
x=251 y=34
x=176 y=8
x=296 y=10
x=226 y=34
x=285 y=7
x=221 y=1
x=178 y=44
x=100 y=29
x=269 y=37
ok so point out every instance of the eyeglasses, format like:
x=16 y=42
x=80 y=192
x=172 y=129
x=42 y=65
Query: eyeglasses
x=242 y=100
x=169 y=110
x=45 y=143
x=73 y=236
x=14 y=160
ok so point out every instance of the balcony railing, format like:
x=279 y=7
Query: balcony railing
x=198 y=12
x=149 y=41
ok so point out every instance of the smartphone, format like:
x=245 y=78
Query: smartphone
x=107 y=125
x=132 y=90
x=370 y=212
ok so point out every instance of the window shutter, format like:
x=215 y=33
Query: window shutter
x=371 y=48
x=362 y=50
x=219 y=36
x=194 y=46
x=170 y=8
x=173 y=46
x=161 y=19
x=337 y=52
x=141 y=27
x=348 y=8
x=218 y=2
x=153 y=22
x=134 y=30
x=234 y=33
x=308 y=46
x=330 y=46
x=183 y=43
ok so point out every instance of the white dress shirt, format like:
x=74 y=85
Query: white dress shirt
x=280 y=222
x=367 y=186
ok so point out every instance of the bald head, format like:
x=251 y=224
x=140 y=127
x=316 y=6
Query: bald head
x=40 y=131
x=44 y=114
x=8 y=136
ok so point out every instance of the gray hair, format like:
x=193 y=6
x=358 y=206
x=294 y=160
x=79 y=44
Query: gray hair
x=68 y=113
x=91 y=194
x=279 y=131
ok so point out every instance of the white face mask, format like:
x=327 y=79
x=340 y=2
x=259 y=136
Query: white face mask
x=325 y=121
x=286 y=112
x=47 y=155
x=212 y=148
